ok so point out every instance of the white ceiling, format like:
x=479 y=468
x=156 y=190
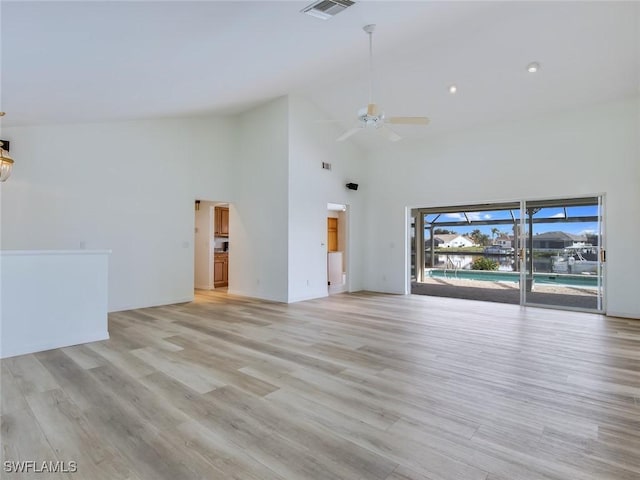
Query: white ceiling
x=90 y=61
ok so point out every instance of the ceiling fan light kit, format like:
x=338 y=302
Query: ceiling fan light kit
x=371 y=117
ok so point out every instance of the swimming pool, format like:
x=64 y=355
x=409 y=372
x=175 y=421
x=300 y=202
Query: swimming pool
x=491 y=276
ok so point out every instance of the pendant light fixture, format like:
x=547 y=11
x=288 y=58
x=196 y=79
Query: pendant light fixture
x=6 y=162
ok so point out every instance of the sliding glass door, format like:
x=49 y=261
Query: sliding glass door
x=534 y=252
x=563 y=249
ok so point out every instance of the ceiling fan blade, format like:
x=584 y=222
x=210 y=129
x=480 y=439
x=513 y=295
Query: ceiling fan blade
x=390 y=134
x=409 y=120
x=348 y=134
x=372 y=110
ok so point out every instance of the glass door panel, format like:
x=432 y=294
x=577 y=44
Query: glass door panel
x=413 y=247
x=601 y=255
x=562 y=253
x=468 y=252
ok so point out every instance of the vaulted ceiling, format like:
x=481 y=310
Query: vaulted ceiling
x=92 y=61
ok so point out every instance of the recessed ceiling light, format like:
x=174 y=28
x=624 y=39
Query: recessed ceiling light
x=453 y=89
x=533 y=67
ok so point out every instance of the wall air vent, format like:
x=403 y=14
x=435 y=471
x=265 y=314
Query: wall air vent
x=326 y=9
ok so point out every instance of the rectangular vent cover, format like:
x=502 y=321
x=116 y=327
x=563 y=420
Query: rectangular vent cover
x=326 y=9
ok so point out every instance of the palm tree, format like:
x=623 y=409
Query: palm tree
x=495 y=232
x=479 y=238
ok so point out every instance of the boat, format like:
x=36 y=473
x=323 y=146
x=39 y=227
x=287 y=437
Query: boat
x=497 y=250
x=580 y=258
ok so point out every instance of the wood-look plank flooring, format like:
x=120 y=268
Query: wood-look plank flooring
x=354 y=386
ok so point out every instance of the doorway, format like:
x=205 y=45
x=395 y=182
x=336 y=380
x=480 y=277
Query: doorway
x=211 y=245
x=337 y=254
x=535 y=252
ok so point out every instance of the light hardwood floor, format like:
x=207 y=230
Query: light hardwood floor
x=360 y=386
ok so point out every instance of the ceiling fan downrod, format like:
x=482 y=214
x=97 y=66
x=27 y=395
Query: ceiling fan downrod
x=369 y=29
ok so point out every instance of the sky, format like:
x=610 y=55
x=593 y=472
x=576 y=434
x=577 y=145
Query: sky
x=576 y=228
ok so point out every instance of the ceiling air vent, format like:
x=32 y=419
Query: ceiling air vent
x=326 y=9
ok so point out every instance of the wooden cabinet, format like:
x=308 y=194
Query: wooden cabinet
x=221 y=259
x=332 y=234
x=220 y=270
x=221 y=221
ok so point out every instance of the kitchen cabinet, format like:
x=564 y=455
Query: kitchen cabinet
x=332 y=234
x=221 y=221
x=220 y=270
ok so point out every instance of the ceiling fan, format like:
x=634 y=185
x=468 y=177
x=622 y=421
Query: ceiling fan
x=371 y=116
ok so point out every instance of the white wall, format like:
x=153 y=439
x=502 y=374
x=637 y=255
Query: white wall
x=203 y=262
x=130 y=187
x=310 y=189
x=587 y=151
x=342 y=241
x=66 y=193
x=52 y=299
x=279 y=210
x=125 y=186
x=258 y=214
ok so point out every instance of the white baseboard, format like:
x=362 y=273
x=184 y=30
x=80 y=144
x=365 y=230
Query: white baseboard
x=240 y=293
x=72 y=339
x=623 y=315
x=311 y=296
x=121 y=308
